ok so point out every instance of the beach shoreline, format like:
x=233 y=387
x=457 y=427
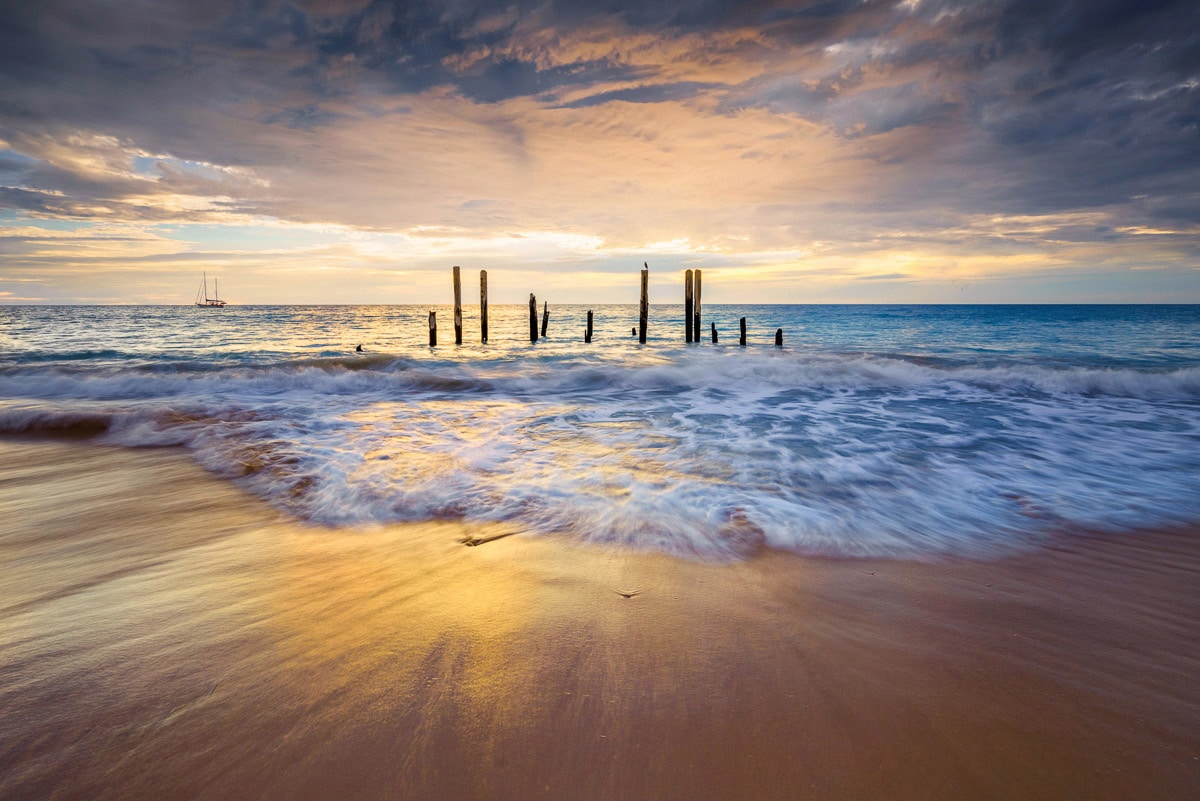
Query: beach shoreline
x=164 y=634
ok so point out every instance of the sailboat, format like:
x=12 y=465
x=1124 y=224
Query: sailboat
x=202 y=298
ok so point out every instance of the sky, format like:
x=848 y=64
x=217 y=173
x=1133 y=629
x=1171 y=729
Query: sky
x=846 y=151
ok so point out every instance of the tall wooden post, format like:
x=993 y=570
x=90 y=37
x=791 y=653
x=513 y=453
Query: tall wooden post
x=587 y=335
x=696 y=307
x=457 y=306
x=432 y=328
x=545 y=316
x=483 y=305
x=779 y=337
x=687 y=303
x=533 y=330
x=742 y=340
x=645 y=306
x=714 y=333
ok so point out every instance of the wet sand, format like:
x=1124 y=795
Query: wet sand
x=163 y=635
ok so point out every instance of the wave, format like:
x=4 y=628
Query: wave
x=709 y=454
x=43 y=422
x=743 y=372
x=86 y=355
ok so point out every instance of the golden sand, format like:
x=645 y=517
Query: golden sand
x=165 y=636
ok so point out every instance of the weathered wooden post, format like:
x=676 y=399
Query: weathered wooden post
x=587 y=335
x=687 y=304
x=742 y=340
x=533 y=330
x=645 y=310
x=483 y=305
x=696 y=306
x=714 y=332
x=432 y=328
x=457 y=306
x=545 y=316
x=779 y=337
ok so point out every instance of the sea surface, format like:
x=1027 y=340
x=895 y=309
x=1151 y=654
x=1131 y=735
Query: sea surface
x=896 y=431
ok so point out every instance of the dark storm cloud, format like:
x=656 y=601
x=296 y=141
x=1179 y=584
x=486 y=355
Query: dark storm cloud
x=1011 y=105
x=404 y=46
x=407 y=46
x=1072 y=31
x=1067 y=105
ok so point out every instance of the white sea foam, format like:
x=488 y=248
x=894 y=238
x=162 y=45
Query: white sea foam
x=706 y=452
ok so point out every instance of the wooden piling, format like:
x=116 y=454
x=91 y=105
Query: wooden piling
x=687 y=304
x=714 y=332
x=742 y=339
x=779 y=337
x=645 y=306
x=483 y=305
x=545 y=317
x=696 y=306
x=457 y=306
x=533 y=328
x=432 y=329
x=587 y=335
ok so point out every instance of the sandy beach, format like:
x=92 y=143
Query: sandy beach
x=165 y=636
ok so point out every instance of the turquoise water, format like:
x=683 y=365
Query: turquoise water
x=906 y=431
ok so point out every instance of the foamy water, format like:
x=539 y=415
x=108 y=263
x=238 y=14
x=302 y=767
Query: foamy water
x=892 y=431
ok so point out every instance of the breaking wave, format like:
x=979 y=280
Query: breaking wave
x=710 y=453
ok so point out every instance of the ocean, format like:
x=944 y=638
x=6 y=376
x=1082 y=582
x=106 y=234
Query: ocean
x=913 y=432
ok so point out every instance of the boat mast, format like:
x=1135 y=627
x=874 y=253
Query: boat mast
x=202 y=298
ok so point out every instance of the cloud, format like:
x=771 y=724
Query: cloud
x=643 y=94
x=306 y=117
x=90 y=175
x=728 y=130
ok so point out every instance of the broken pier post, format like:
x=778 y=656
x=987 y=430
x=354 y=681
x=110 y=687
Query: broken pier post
x=457 y=306
x=545 y=316
x=696 y=305
x=714 y=333
x=742 y=339
x=432 y=328
x=483 y=305
x=533 y=328
x=644 y=313
x=587 y=334
x=687 y=304
x=779 y=337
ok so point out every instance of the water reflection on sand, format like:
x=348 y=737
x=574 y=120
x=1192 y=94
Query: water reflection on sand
x=164 y=636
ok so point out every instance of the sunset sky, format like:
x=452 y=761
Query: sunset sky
x=342 y=151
